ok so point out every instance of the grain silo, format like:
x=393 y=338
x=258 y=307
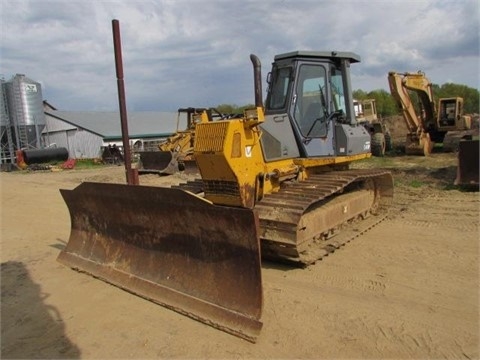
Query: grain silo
x=25 y=111
x=6 y=138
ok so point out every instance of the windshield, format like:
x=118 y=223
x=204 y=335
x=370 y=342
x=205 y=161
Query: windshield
x=279 y=88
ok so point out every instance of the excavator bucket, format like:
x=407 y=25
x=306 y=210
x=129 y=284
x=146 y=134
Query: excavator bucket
x=162 y=162
x=171 y=247
x=418 y=145
x=468 y=163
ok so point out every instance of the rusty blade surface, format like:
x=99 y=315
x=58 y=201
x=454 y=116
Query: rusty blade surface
x=172 y=248
x=468 y=163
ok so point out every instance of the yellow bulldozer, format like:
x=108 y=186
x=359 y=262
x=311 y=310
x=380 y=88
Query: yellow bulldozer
x=275 y=184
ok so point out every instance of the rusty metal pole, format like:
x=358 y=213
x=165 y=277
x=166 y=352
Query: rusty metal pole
x=131 y=174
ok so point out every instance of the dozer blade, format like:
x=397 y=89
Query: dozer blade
x=171 y=247
x=161 y=162
x=468 y=163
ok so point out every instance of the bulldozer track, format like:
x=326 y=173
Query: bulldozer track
x=281 y=213
x=349 y=231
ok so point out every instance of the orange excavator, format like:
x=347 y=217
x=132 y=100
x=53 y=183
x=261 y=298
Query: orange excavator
x=275 y=183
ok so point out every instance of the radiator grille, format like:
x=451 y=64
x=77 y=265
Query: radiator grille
x=210 y=137
x=218 y=187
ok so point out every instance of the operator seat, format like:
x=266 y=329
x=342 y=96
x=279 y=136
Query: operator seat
x=314 y=111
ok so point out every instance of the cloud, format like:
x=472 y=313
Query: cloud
x=196 y=53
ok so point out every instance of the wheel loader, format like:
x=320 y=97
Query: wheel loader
x=176 y=152
x=366 y=113
x=275 y=184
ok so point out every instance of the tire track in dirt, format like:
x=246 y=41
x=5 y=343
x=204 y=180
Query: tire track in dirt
x=454 y=209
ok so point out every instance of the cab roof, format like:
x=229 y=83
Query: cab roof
x=334 y=55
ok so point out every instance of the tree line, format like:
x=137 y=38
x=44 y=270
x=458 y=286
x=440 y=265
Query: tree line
x=386 y=105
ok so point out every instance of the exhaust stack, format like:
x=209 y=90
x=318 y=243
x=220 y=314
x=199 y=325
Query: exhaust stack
x=257 y=74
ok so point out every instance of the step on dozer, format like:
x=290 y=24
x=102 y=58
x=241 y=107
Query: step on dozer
x=170 y=247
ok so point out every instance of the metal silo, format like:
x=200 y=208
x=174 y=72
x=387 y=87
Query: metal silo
x=6 y=138
x=25 y=108
x=3 y=106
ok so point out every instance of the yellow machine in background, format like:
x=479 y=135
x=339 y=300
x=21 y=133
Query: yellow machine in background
x=367 y=115
x=443 y=124
x=176 y=152
x=275 y=183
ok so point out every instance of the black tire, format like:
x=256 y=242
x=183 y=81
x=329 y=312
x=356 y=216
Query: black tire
x=388 y=142
x=378 y=144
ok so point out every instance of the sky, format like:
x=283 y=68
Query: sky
x=181 y=53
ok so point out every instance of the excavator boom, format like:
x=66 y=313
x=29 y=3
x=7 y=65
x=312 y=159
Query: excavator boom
x=418 y=141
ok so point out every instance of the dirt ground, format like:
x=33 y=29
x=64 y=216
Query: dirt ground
x=408 y=288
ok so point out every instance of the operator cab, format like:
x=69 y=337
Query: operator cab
x=309 y=107
x=449 y=111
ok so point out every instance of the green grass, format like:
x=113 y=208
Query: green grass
x=374 y=161
x=87 y=164
x=416 y=184
x=408 y=183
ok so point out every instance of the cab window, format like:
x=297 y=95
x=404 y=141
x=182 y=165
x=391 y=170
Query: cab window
x=279 y=88
x=310 y=101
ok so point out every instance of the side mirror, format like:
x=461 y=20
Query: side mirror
x=269 y=78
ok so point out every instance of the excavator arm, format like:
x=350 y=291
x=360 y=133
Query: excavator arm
x=418 y=138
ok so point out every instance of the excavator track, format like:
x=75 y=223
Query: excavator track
x=307 y=220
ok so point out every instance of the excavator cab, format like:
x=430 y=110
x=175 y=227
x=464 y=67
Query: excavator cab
x=450 y=115
x=448 y=112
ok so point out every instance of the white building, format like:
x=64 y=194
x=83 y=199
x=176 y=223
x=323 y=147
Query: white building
x=85 y=133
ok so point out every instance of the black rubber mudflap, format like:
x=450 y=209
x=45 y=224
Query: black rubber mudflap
x=170 y=247
x=468 y=163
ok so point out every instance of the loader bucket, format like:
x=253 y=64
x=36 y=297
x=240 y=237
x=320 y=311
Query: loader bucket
x=468 y=163
x=189 y=167
x=161 y=162
x=171 y=247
